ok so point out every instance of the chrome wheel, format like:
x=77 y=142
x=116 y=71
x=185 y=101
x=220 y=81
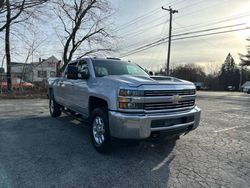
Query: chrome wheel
x=98 y=130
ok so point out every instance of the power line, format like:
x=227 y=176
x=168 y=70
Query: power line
x=215 y=33
x=136 y=33
x=150 y=13
x=222 y=20
x=191 y=5
x=139 y=32
x=181 y=26
x=143 y=42
x=136 y=21
x=200 y=9
x=161 y=41
x=157 y=18
x=210 y=29
x=199 y=31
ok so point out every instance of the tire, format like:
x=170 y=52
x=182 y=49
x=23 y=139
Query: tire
x=99 y=131
x=54 y=108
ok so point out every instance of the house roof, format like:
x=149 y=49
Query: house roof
x=34 y=64
x=246 y=84
x=50 y=59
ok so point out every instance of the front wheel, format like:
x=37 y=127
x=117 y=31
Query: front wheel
x=54 y=108
x=99 y=131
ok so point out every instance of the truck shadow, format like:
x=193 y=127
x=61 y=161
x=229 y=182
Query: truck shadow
x=59 y=151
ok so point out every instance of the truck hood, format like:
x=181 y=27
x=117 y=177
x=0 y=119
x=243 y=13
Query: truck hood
x=136 y=81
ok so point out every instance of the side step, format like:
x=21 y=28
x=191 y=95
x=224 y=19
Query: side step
x=76 y=116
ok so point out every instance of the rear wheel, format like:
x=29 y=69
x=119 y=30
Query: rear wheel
x=54 y=107
x=99 y=131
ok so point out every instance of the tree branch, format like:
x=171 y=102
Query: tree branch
x=95 y=51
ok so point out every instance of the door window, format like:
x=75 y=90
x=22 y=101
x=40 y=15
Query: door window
x=66 y=71
x=82 y=68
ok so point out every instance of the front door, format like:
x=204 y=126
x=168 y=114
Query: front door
x=66 y=88
x=79 y=93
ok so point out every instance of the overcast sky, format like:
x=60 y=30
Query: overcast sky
x=153 y=25
x=203 y=50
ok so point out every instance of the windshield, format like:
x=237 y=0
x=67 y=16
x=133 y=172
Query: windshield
x=116 y=67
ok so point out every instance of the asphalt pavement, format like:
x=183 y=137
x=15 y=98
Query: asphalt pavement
x=39 y=151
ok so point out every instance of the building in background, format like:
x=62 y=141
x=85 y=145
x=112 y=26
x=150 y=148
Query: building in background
x=35 y=72
x=20 y=71
x=44 y=69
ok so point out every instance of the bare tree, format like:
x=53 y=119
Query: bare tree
x=212 y=68
x=32 y=44
x=85 y=28
x=1 y=3
x=14 y=12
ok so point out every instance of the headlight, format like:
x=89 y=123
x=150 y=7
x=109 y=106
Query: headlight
x=128 y=92
x=125 y=99
x=129 y=105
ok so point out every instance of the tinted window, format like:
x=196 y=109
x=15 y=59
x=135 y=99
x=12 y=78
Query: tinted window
x=66 y=71
x=82 y=67
x=113 y=67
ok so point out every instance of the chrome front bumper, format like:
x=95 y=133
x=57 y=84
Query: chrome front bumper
x=132 y=126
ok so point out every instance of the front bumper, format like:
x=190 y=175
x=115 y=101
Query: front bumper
x=130 y=126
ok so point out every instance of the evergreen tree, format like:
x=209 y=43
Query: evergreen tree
x=229 y=74
x=245 y=59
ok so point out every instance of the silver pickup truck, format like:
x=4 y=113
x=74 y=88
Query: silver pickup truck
x=121 y=100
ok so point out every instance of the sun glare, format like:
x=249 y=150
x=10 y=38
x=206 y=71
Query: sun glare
x=244 y=13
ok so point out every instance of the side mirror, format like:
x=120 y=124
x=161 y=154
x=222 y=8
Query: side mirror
x=85 y=75
x=151 y=73
x=72 y=72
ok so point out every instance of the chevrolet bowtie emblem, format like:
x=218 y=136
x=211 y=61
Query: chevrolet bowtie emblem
x=175 y=99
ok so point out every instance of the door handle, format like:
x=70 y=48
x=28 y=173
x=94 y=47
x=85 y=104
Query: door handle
x=61 y=84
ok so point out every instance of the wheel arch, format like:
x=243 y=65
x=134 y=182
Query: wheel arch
x=96 y=102
x=50 y=92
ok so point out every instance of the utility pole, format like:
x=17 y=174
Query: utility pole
x=171 y=12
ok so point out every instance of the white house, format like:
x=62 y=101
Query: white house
x=36 y=71
x=44 y=69
x=20 y=70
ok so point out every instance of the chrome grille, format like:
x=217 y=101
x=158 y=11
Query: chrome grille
x=152 y=93
x=168 y=105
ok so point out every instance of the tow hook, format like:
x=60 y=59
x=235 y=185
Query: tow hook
x=188 y=129
x=155 y=135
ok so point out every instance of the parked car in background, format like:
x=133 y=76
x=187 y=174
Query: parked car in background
x=247 y=90
x=246 y=87
x=23 y=85
x=230 y=88
x=120 y=100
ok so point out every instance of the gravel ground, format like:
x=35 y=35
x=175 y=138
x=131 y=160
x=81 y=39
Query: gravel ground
x=38 y=151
